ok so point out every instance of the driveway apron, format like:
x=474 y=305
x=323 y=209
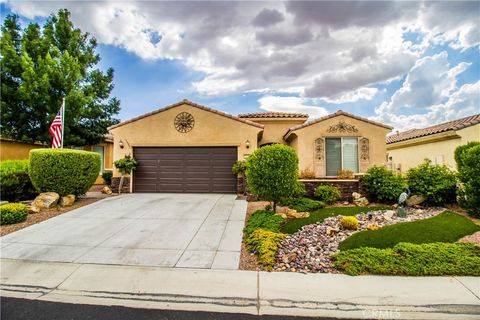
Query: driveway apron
x=166 y=230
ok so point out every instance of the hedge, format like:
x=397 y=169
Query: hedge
x=64 y=171
x=11 y=213
x=430 y=259
x=15 y=182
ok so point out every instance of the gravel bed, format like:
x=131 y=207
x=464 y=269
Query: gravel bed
x=309 y=249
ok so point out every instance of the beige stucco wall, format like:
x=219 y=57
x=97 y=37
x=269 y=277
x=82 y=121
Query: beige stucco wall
x=304 y=143
x=439 y=148
x=275 y=128
x=15 y=150
x=210 y=129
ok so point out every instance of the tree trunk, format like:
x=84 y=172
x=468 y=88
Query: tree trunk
x=120 y=185
x=274 y=206
x=244 y=185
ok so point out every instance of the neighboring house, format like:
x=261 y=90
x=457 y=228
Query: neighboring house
x=437 y=143
x=17 y=150
x=186 y=147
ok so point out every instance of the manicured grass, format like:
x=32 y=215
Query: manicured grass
x=446 y=227
x=428 y=259
x=293 y=225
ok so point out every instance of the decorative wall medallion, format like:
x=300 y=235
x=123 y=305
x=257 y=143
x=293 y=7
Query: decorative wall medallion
x=342 y=126
x=319 y=149
x=364 y=149
x=184 y=122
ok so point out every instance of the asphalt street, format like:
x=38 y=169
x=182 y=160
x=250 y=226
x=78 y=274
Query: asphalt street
x=23 y=309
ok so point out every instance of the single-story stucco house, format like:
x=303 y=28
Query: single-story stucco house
x=186 y=147
x=438 y=143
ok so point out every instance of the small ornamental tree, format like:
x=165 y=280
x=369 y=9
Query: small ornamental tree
x=239 y=168
x=125 y=166
x=272 y=173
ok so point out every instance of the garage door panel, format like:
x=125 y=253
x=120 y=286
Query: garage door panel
x=185 y=169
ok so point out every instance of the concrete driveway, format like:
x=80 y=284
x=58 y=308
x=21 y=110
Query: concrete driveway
x=166 y=230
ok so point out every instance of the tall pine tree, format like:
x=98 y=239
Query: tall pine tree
x=40 y=66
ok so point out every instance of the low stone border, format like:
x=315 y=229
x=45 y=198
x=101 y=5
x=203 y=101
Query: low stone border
x=310 y=249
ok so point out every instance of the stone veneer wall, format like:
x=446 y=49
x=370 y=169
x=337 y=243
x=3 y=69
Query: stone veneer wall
x=347 y=187
x=116 y=184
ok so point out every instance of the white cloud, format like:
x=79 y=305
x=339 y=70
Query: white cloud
x=291 y=104
x=429 y=82
x=461 y=103
x=363 y=93
x=325 y=50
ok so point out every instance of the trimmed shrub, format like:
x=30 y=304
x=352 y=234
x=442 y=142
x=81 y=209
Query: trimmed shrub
x=265 y=244
x=382 y=184
x=107 y=176
x=11 y=213
x=15 y=182
x=266 y=220
x=327 y=194
x=272 y=172
x=435 y=182
x=64 y=171
x=349 y=223
x=302 y=204
x=431 y=259
x=461 y=150
x=468 y=163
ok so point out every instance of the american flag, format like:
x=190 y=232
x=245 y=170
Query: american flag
x=56 y=130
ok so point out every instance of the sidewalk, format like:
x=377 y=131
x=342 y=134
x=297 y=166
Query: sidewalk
x=233 y=291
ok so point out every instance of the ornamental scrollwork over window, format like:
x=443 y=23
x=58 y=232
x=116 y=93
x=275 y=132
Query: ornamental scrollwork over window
x=342 y=126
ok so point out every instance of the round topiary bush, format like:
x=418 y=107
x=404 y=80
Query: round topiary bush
x=14 y=181
x=64 y=171
x=382 y=184
x=11 y=213
x=327 y=194
x=272 y=173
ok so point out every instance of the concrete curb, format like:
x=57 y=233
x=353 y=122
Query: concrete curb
x=235 y=291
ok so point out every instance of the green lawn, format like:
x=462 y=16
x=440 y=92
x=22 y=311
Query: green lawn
x=293 y=225
x=446 y=227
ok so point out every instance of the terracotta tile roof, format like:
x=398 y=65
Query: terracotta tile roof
x=438 y=128
x=338 y=113
x=273 y=114
x=190 y=103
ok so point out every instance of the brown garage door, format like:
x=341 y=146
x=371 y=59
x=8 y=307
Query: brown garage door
x=189 y=169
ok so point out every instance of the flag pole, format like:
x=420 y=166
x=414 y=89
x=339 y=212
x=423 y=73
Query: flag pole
x=63 y=117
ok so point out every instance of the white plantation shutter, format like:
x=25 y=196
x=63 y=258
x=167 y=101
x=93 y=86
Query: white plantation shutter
x=350 y=154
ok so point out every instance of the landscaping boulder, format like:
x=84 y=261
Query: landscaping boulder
x=33 y=209
x=389 y=215
x=414 y=200
x=292 y=213
x=106 y=190
x=330 y=231
x=361 y=202
x=67 y=201
x=356 y=195
x=46 y=200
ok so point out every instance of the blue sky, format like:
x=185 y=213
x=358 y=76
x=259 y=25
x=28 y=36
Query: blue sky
x=408 y=64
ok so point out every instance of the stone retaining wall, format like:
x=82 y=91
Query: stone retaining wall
x=346 y=187
x=116 y=184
